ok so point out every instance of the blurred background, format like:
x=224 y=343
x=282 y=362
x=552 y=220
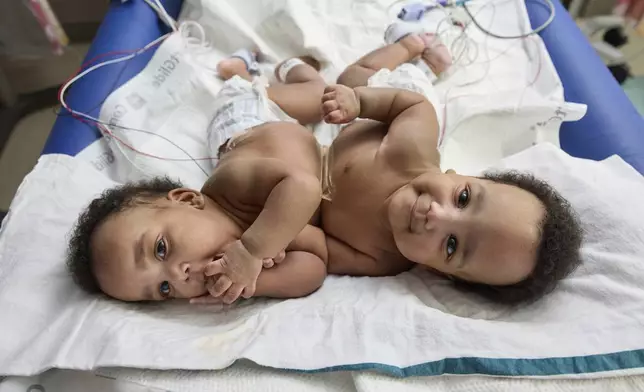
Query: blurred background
x=42 y=42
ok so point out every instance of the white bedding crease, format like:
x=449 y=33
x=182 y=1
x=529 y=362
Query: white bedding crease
x=411 y=325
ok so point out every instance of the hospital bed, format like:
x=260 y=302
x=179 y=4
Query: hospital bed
x=611 y=126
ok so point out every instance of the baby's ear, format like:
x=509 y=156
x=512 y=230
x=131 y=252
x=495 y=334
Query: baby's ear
x=187 y=196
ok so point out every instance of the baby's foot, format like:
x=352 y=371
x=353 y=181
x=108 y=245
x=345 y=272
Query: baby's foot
x=242 y=63
x=427 y=46
x=435 y=55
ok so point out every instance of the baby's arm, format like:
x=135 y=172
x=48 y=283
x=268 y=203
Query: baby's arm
x=288 y=198
x=413 y=127
x=345 y=260
x=300 y=273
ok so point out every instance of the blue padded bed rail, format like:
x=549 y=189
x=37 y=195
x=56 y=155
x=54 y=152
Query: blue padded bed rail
x=611 y=126
x=127 y=26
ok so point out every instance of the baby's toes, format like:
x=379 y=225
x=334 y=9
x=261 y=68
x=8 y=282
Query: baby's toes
x=436 y=54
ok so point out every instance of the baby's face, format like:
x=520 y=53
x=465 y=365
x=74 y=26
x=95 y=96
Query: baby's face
x=158 y=251
x=477 y=230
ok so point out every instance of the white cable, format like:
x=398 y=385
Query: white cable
x=163 y=14
x=154 y=7
x=532 y=32
x=95 y=67
x=171 y=22
x=194 y=43
x=100 y=65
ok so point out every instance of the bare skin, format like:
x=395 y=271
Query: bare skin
x=257 y=204
x=408 y=211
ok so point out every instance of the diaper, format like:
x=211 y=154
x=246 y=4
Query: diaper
x=409 y=77
x=241 y=105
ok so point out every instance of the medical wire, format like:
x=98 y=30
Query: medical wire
x=487 y=31
x=84 y=65
x=103 y=126
x=537 y=30
x=201 y=41
x=100 y=65
x=489 y=60
x=163 y=14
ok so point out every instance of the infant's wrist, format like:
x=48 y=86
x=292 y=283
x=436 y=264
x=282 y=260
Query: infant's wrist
x=356 y=92
x=251 y=247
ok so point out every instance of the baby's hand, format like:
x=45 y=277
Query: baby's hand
x=340 y=104
x=211 y=281
x=238 y=270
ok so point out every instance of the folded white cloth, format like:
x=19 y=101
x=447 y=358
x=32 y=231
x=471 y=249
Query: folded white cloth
x=411 y=324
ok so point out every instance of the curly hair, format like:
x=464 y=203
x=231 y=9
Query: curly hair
x=110 y=202
x=557 y=252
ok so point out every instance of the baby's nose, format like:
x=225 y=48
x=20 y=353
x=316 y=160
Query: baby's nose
x=439 y=216
x=184 y=270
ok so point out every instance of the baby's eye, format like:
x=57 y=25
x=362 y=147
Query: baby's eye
x=450 y=247
x=160 y=249
x=164 y=289
x=463 y=198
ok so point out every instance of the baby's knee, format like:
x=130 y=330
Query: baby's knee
x=312 y=275
x=314 y=280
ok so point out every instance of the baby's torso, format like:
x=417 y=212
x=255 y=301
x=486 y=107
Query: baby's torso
x=361 y=182
x=290 y=143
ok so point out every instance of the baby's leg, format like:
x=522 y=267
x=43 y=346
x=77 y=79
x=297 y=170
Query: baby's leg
x=299 y=91
x=390 y=57
x=300 y=274
x=238 y=64
x=404 y=47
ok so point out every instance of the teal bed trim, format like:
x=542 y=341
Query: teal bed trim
x=507 y=367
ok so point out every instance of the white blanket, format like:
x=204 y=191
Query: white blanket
x=412 y=324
